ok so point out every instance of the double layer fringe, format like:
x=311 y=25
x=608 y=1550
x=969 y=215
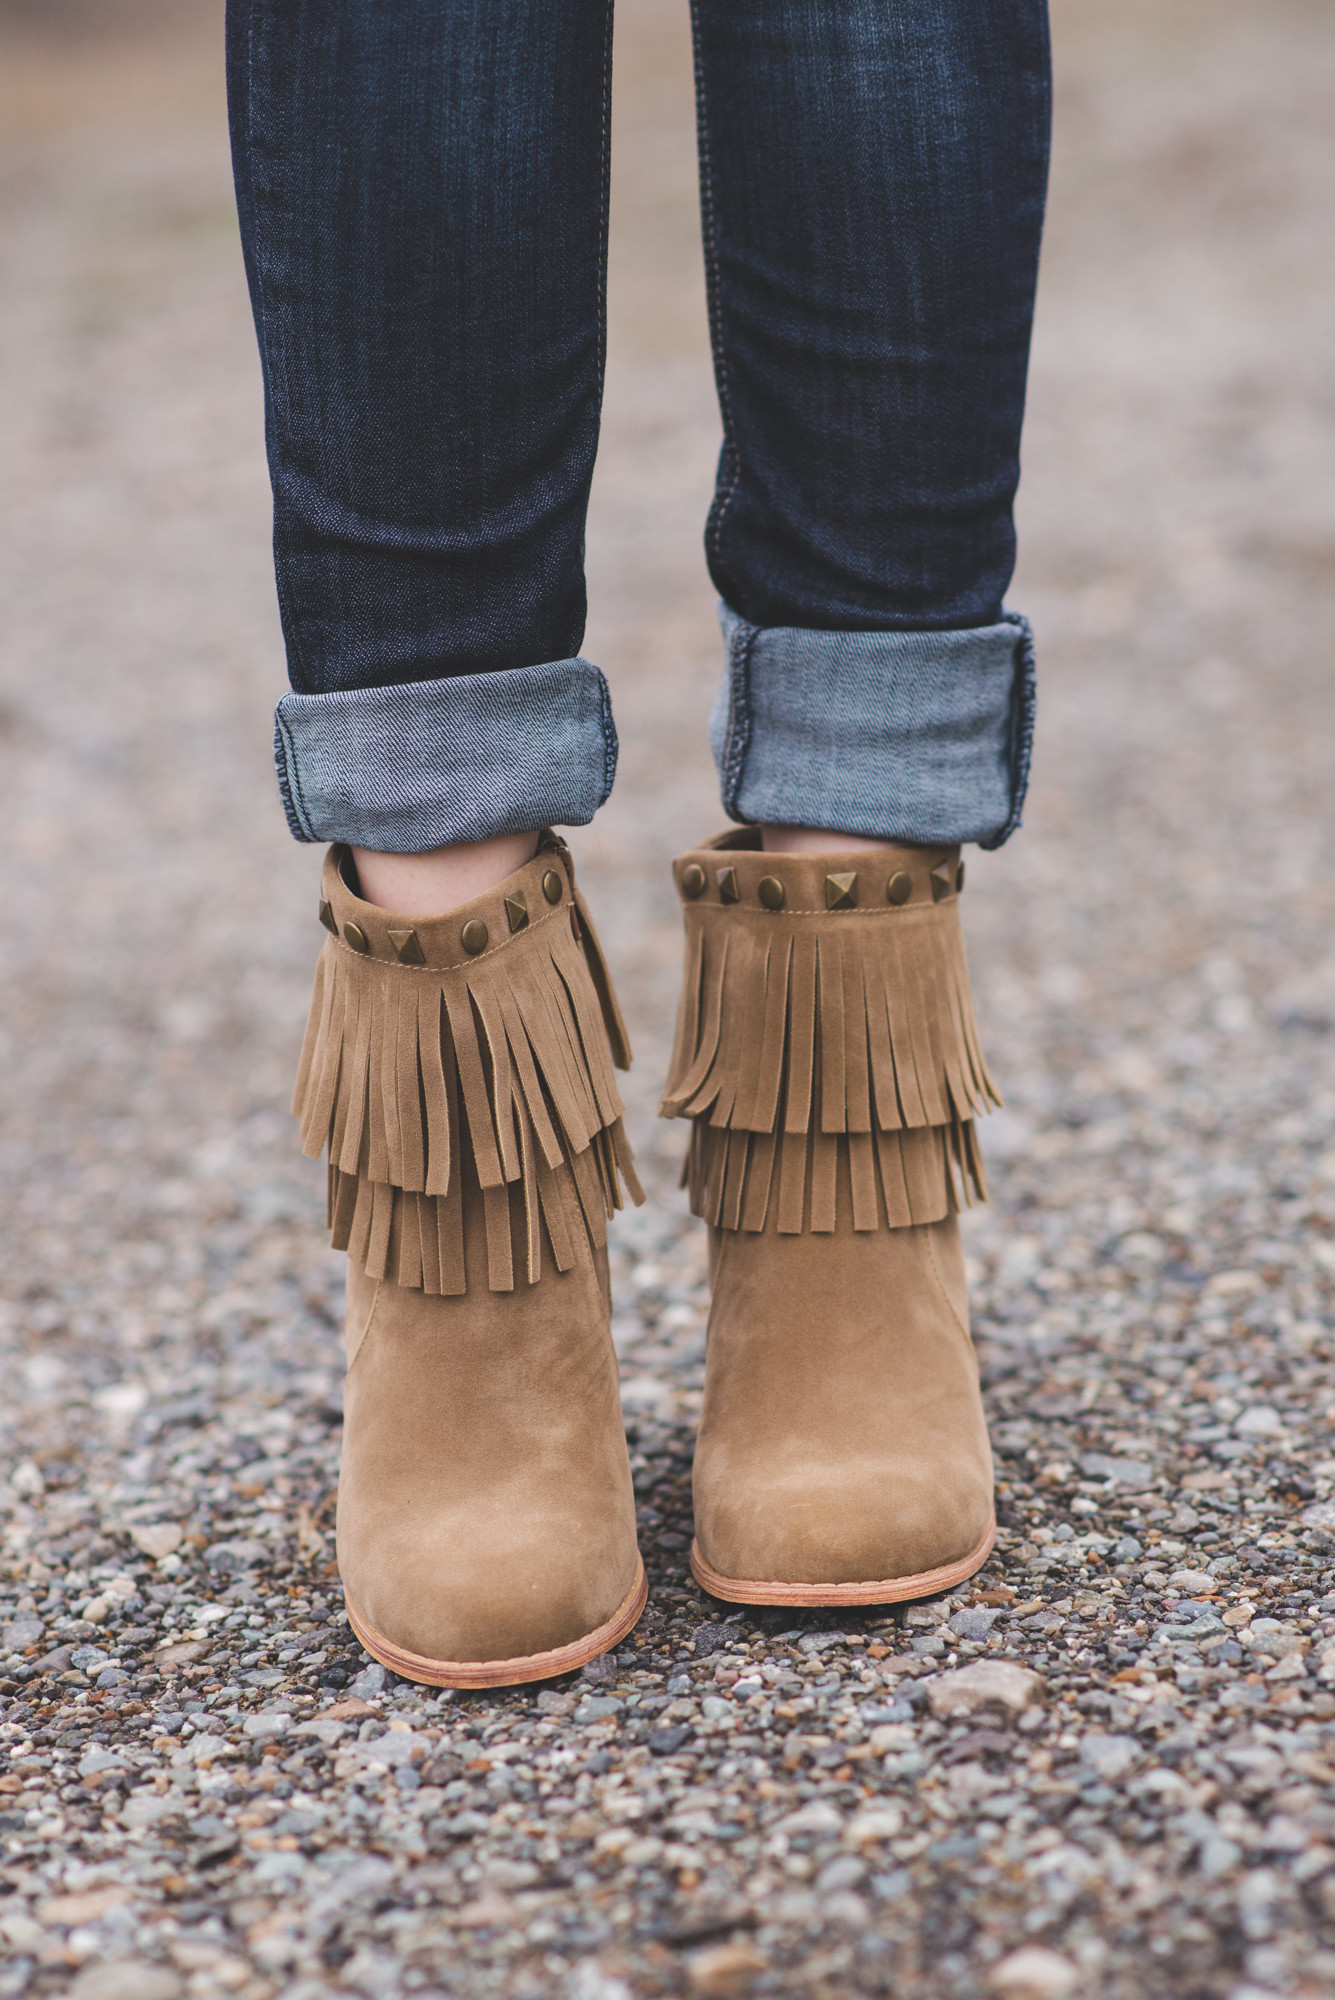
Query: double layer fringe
x=835 y=1054
x=419 y=1079
x=418 y=1240
x=821 y=1181
x=860 y=1025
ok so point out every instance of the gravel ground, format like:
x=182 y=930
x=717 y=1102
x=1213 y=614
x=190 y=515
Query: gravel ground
x=1104 y=1769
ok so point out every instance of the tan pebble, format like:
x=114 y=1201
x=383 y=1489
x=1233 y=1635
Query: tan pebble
x=85 y=1908
x=725 y=1971
x=1034 y=1973
x=158 y=1538
x=126 y=1979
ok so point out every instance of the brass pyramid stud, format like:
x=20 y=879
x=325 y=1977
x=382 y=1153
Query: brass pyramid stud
x=354 y=935
x=899 y=888
x=771 y=892
x=406 y=948
x=728 y=892
x=841 y=892
x=516 y=909
x=553 y=888
x=692 y=880
x=327 y=917
x=942 y=879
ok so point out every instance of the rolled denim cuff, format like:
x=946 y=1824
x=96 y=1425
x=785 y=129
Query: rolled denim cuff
x=401 y=769
x=903 y=736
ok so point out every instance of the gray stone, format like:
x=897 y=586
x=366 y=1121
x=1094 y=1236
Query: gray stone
x=663 y=1742
x=1109 y=1757
x=974 y=1622
x=844 y=1872
x=1191 y=1581
x=145 y=1809
x=269 y=1723
x=1134 y=1474
x=713 y=1636
x=235 y=1557
x=1261 y=1420
x=58 y=1661
x=597 y=1707
x=985 y=1684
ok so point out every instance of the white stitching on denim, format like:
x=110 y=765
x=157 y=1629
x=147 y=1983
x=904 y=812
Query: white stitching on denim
x=604 y=185
x=738 y=739
x=724 y=495
x=611 y=742
x=287 y=618
x=1023 y=709
x=289 y=781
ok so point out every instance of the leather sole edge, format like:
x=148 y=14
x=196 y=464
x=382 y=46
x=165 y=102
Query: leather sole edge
x=504 y=1673
x=892 y=1590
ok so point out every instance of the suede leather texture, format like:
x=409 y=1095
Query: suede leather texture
x=842 y=1438
x=485 y=1507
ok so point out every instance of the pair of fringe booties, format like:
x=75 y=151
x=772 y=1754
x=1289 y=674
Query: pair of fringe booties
x=460 y=1072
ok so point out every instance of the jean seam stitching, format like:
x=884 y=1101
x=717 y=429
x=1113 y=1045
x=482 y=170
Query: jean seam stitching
x=709 y=237
x=1020 y=747
x=291 y=636
x=611 y=744
x=738 y=740
x=604 y=189
x=289 y=781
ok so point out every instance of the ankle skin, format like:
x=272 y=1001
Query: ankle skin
x=425 y=885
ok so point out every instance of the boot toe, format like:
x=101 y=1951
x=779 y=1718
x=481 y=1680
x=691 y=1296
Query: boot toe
x=497 y=1598
x=847 y=1526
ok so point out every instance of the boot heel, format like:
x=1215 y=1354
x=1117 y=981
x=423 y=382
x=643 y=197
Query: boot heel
x=460 y=1071
x=827 y=1057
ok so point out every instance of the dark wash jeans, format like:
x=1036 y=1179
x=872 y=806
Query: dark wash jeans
x=423 y=191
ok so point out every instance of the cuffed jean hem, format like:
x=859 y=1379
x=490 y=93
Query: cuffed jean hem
x=906 y=736
x=405 y=768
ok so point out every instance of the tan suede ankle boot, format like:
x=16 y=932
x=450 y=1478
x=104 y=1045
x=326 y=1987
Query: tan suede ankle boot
x=459 y=1070
x=827 y=1053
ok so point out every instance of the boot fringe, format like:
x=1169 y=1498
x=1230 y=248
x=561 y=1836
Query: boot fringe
x=823 y=1181
x=501 y=1070
x=855 y=1024
x=417 y=1240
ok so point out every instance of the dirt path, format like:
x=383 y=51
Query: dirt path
x=1153 y=1282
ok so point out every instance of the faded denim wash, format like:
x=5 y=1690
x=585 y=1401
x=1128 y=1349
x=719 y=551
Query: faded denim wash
x=422 y=187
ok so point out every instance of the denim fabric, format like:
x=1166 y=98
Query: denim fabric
x=873 y=176
x=402 y=769
x=916 y=736
x=422 y=187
